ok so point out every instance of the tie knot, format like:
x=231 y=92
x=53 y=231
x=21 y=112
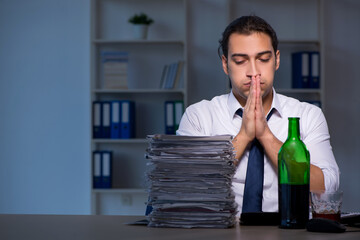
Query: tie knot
x=239 y=112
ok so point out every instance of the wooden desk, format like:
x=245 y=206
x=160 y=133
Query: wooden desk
x=113 y=227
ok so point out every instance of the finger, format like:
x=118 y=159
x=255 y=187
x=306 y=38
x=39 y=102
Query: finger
x=259 y=104
x=255 y=82
x=258 y=92
x=251 y=100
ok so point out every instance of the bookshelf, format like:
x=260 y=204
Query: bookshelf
x=166 y=43
x=302 y=31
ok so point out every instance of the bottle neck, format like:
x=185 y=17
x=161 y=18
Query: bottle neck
x=294 y=129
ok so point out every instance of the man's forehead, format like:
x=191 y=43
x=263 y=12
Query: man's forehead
x=251 y=44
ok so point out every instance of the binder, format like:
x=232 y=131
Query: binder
x=300 y=70
x=171 y=76
x=106 y=169
x=169 y=117
x=164 y=76
x=314 y=70
x=179 y=75
x=106 y=114
x=178 y=112
x=115 y=69
x=97 y=129
x=127 y=124
x=115 y=119
x=96 y=169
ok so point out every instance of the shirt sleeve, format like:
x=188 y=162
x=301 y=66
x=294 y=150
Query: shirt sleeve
x=190 y=124
x=317 y=140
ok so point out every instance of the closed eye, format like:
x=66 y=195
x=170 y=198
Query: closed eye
x=264 y=59
x=239 y=62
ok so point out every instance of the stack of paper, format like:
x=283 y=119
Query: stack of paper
x=115 y=69
x=190 y=181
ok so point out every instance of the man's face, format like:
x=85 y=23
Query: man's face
x=248 y=56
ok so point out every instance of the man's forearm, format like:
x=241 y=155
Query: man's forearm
x=272 y=146
x=316 y=178
x=240 y=142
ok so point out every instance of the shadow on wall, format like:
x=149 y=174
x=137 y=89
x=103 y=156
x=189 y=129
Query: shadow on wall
x=342 y=93
x=206 y=77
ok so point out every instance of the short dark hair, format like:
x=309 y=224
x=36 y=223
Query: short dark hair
x=246 y=25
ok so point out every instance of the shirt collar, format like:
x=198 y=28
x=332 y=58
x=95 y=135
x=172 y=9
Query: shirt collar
x=276 y=103
x=234 y=105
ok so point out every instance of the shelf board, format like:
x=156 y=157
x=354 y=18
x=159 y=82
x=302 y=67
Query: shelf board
x=299 y=41
x=130 y=140
x=120 y=190
x=298 y=90
x=134 y=41
x=138 y=91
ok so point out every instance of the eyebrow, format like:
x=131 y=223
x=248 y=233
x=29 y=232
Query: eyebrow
x=246 y=55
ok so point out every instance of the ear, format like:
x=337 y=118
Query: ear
x=224 y=64
x=277 y=60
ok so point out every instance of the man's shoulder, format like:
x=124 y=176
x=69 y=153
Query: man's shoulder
x=216 y=101
x=209 y=109
x=293 y=106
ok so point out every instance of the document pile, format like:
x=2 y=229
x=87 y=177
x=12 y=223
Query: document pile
x=190 y=181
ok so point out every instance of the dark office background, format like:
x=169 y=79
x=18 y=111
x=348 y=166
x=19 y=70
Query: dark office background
x=45 y=96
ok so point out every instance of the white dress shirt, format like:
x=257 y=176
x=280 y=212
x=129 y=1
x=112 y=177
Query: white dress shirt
x=218 y=116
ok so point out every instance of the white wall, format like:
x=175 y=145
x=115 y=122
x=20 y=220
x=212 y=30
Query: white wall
x=342 y=38
x=44 y=106
x=207 y=20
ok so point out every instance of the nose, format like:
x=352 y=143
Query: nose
x=252 y=70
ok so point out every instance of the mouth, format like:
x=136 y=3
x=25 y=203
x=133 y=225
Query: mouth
x=248 y=84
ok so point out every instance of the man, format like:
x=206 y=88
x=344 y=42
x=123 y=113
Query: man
x=250 y=58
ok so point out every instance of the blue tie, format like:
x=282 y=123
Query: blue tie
x=252 y=200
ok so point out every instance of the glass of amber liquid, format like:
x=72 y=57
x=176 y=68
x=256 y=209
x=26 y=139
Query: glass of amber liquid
x=326 y=204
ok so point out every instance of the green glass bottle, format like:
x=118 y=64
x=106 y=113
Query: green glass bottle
x=294 y=179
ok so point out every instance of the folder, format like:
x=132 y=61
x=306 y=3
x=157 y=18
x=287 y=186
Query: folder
x=163 y=76
x=300 y=70
x=169 y=117
x=106 y=169
x=171 y=76
x=97 y=129
x=178 y=112
x=96 y=169
x=115 y=119
x=314 y=70
x=115 y=69
x=106 y=114
x=127 y=124
x=179 y=75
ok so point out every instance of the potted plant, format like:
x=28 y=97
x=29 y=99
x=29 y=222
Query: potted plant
x=141 y=24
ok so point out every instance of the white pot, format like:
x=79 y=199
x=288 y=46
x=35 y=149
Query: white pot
x=140 y=31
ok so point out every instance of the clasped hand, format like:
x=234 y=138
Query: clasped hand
x=254 y=124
